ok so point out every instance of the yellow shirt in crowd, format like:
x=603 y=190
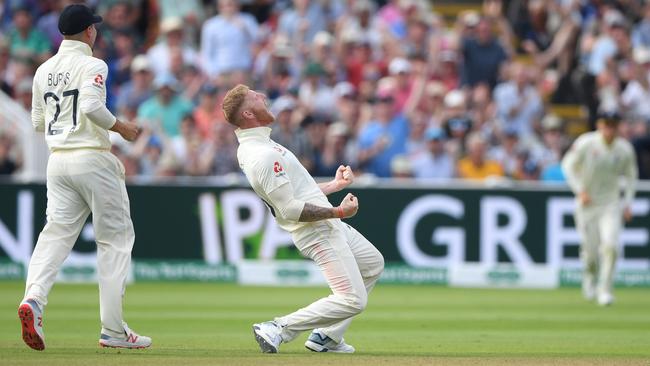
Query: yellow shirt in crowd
x=467 y=169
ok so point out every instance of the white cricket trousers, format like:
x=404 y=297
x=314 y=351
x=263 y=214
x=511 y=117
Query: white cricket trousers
x=351 y=265
x=80 y=182
x=599 y=227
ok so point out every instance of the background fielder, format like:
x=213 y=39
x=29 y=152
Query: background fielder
x=593 y=167
x=350 y=263
x=69 y=95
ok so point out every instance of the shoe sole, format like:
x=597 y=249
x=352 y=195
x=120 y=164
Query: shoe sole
x=265 y=344
x=30 y=335
x=315 y=347
x=104 y=345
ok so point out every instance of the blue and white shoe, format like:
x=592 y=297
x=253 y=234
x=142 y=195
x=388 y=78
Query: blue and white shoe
x=267 y=335
x=319 y=342
x=31 y=320
x=131 y=340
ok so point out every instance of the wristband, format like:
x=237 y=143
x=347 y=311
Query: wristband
x=340 y=212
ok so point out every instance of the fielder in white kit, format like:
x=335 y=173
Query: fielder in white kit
x=69 y=95
x=350 y=263
x=593 y=168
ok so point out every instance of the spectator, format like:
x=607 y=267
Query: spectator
x=208 y=113
x=447 y=70
x=506 y=152
x=301 y=24
x=357 y=57
x=219 y=157
x=137 y=90
x=315 y=93
x=227 y=42
x=288 y=133
x=432 y=102
x=23 y=93
x=435 y=162
x=636 y=95
x=165 y=110
x=598 y=53
x=400 y=70
x=348 y=108
x=189 y=12
x=48 y=24
x=518 y=104
x=25 y=40
x=527 y=167
x=392 y=18
x=360 y=21
x=553 y=141
x=336 y=151
x=641 y=32
x=8 y=165
x=172 y=38
x=400 y=167
x=475 y=165
x=315 y=128
x=120 y=16
x=188 y=140
x=482 y=56
x=383 y=137
x=456 y=121
x=119 y=66
x=275 y=67
x=416 y=142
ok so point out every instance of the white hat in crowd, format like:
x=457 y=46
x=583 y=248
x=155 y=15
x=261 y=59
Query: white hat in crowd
x=140 y=63
x=455 y=99
x=171 y=24
x=641 y=55
x=283 y=103
x=399 y=65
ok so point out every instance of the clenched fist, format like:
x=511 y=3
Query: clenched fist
x=349 y=206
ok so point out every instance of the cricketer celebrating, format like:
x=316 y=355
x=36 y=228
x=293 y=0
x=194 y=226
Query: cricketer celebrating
x=69 y=95
x=593 y=167
x=350 y=263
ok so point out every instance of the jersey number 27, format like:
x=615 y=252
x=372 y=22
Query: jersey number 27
x=74 y=93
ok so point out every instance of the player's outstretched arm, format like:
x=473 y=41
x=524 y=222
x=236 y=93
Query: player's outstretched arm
x=343 y=178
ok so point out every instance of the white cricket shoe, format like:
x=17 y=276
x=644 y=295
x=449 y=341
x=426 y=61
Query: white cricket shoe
x=588 y=288
x=267 y=335
x=31 y=320
x=319 y=342
x=131 y=340
x=605 y=299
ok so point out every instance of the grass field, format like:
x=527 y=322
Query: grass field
x=210 y=324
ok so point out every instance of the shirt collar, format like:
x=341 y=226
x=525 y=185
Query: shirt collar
x=71 y=46
x=255 y=133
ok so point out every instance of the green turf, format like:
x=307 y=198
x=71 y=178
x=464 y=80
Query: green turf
x=201 y=324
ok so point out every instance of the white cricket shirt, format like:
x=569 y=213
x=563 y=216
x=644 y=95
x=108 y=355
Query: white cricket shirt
x=269 y=165
x=70 y=82
x=595 y=167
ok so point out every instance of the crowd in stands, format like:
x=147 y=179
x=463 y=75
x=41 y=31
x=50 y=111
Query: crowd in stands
x=391 y=88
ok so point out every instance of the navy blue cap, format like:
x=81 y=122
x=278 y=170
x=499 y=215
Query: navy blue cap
x=75 y=18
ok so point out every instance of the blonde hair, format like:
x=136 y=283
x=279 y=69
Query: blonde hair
x=232 y=103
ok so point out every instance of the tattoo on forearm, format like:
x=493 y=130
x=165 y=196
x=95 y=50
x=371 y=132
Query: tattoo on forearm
x=315 y=213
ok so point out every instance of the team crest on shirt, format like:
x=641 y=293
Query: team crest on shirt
x=99 y=81
x=277 y=168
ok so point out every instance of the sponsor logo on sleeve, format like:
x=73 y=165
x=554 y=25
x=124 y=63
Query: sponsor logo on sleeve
x=99 y=81
x=277 y=169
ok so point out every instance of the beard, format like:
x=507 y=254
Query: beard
x=264 y=116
